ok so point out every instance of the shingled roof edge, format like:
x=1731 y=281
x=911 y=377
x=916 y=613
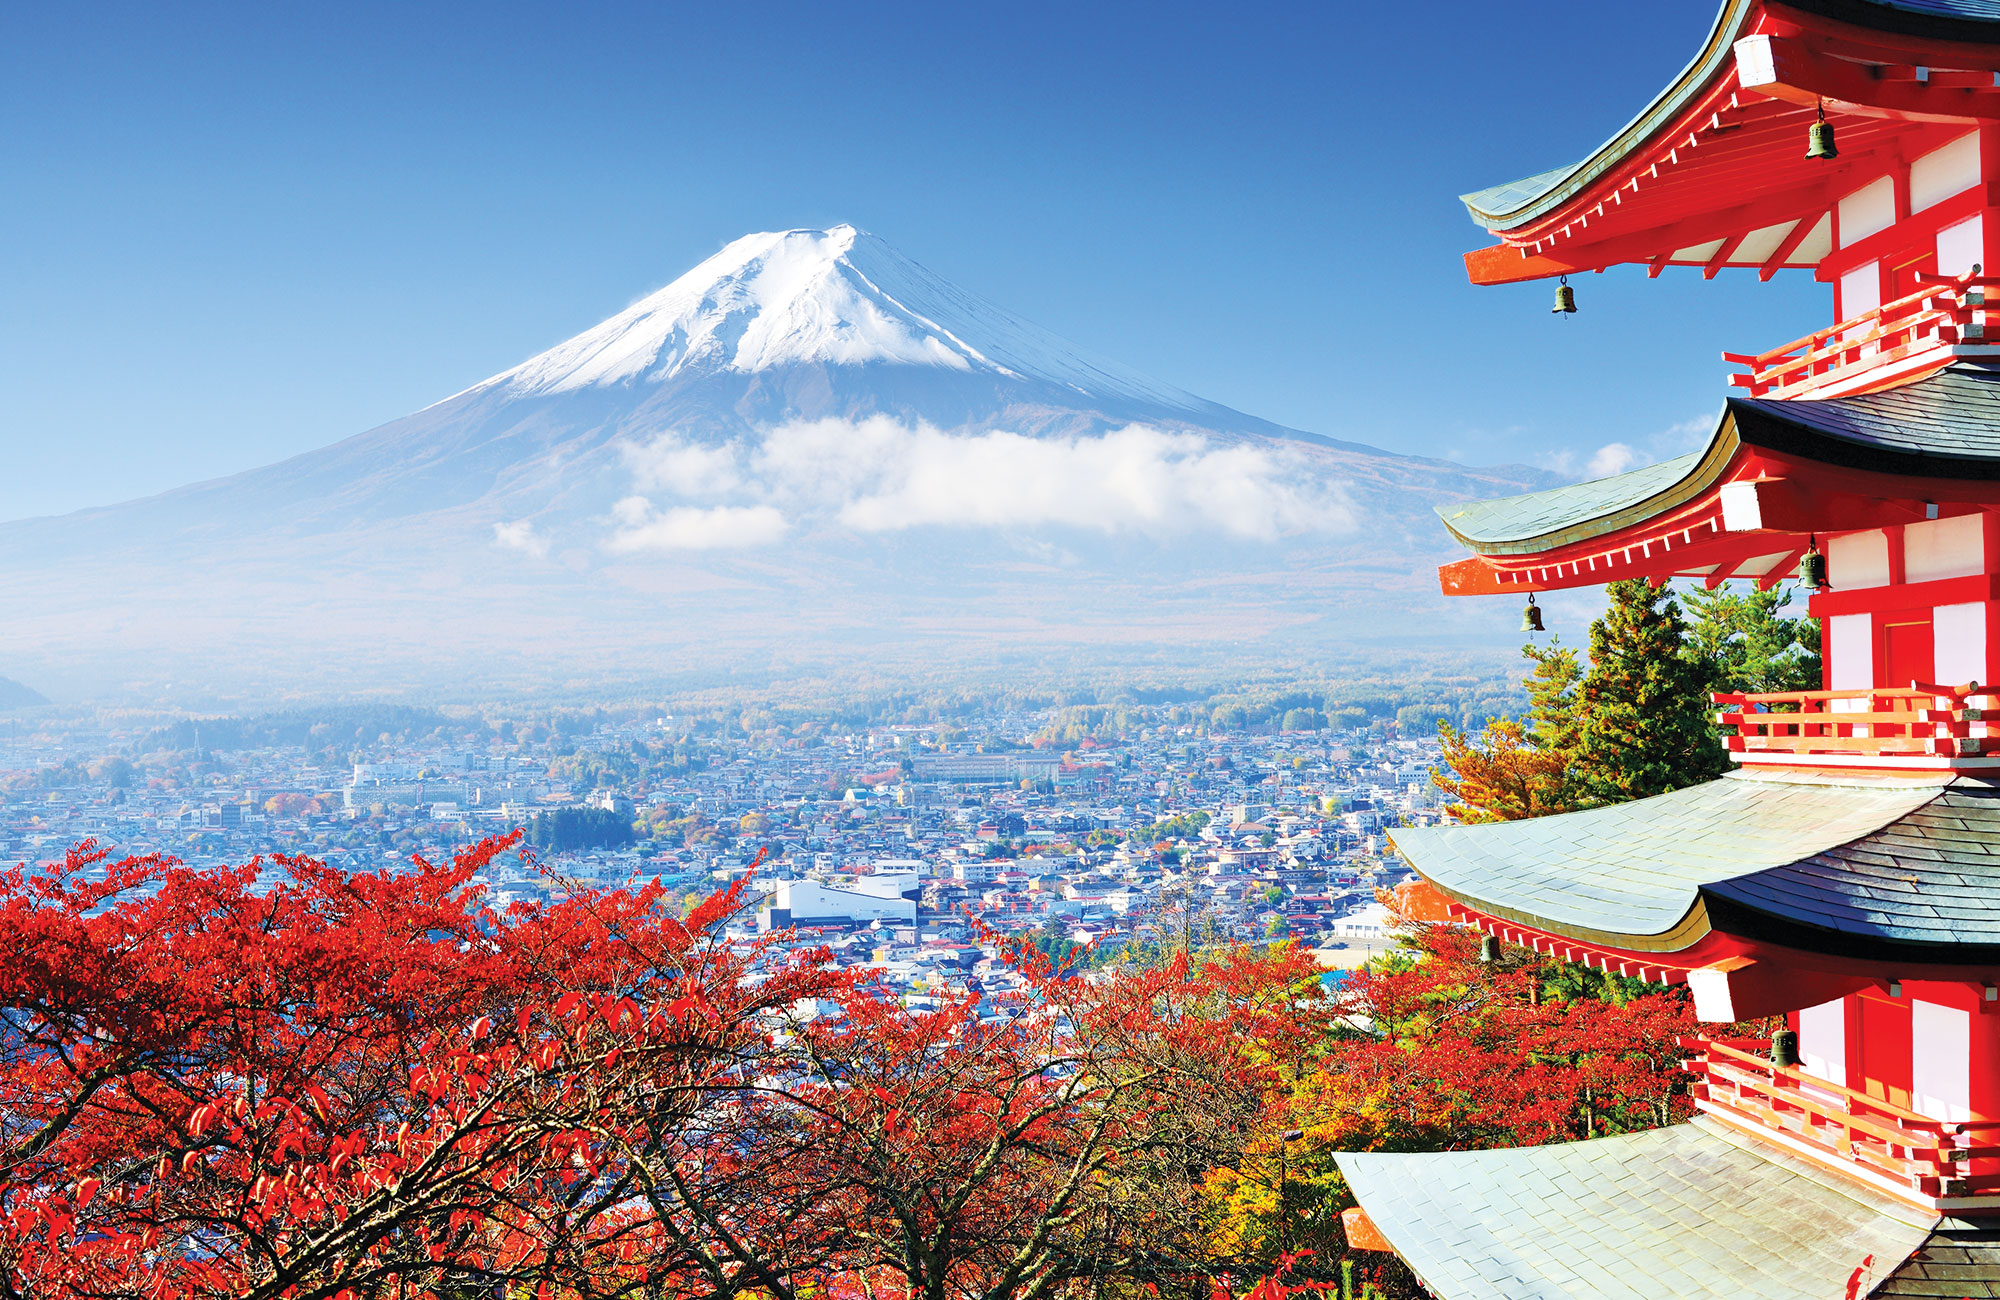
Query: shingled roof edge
x=1538 y=194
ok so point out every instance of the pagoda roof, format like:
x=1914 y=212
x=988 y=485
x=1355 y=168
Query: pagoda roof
x=1694 y=1210
x=1869 y=868
x=1945 y=426
x=1960 y=1258
x=1576 y=512
x=1709 y=145
x=1515 y=203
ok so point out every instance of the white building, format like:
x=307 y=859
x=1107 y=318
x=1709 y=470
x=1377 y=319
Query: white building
x=884 y=896
x=986 y=767
x=973 y=871
x=1372 y=921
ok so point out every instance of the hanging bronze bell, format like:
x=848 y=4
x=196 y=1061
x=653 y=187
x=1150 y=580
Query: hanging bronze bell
x=1565 y=299
x=1812 y=568
x=1819 y=140
x=1531 y=617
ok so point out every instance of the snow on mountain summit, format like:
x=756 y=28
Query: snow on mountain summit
x=839 y=297
x=806 y=453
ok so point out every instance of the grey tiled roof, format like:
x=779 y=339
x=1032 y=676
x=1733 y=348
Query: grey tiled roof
x=1639 y=868
x=1978 y=10
x=1515 y=203
x=1954 y=415
x=1541 y=514
x=1960 y=1260
x=1932 y=876
x=1510 y=196
x=1947 y=424
x=1692 y=1212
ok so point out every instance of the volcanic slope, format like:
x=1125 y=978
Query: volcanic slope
x=806 y=447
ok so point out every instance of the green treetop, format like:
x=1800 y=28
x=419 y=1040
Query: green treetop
x=1748 y=643
x=1636 y=721
x=1644 y=713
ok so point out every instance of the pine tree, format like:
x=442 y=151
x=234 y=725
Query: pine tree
x=1552 y=695
x=1643 y=707
x=1638 y=721
x=1749 y=644
x=1500 y=775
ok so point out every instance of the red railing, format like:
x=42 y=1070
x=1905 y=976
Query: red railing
x=1935 y=1159
x=1944 y=312
x=1922 y=719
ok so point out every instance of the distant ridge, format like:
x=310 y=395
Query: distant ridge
x=13 y=695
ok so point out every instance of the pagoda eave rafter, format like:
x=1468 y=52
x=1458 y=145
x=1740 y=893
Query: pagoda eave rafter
x=1787 y=69
x=1643 y=966
x=1732 y=977
x=1555 y=255
x=1704 y=551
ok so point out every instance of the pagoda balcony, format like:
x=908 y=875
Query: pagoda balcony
x=1941 y=1164
x=1922 y=726
x=1899 y=340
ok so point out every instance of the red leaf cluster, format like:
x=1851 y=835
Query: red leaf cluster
x=346 y=1086
x=1461 y=1053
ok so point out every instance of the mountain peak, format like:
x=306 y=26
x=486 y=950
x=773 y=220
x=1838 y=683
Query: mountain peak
x=833 y=297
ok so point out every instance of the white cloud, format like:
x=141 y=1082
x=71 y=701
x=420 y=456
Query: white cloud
x=692 y=528
x=878 y=475
x=521 y=536
x=671 y=464
x=1613 y=458
x=1042 y=552
x=1616 y=457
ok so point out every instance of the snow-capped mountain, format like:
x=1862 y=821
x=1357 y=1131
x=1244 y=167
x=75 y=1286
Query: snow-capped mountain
x=838 y=297
x=806 y=444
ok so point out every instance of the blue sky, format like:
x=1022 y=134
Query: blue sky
x=230 y=234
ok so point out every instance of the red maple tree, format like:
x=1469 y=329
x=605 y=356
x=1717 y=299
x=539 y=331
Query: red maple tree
x=283 y=1080
x=340 y=1083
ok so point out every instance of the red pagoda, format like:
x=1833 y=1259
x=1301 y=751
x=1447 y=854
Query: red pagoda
x=1847 y=874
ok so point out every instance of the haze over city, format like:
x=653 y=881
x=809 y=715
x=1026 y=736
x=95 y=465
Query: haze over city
x=426 y=423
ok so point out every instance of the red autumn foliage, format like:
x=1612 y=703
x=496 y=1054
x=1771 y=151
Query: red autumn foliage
x=1462 y=1053
x=1063 y=1142
x=341 y=1081
x=347 y=1086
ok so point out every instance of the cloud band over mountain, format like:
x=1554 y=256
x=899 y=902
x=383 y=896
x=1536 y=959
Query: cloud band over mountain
x=878 y=475
x=807 y=447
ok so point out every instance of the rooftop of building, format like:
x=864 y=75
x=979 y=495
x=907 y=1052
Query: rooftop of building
x=1694 y=1210
x=1944 y=426
x=1872 y=868
x=1517 y=203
